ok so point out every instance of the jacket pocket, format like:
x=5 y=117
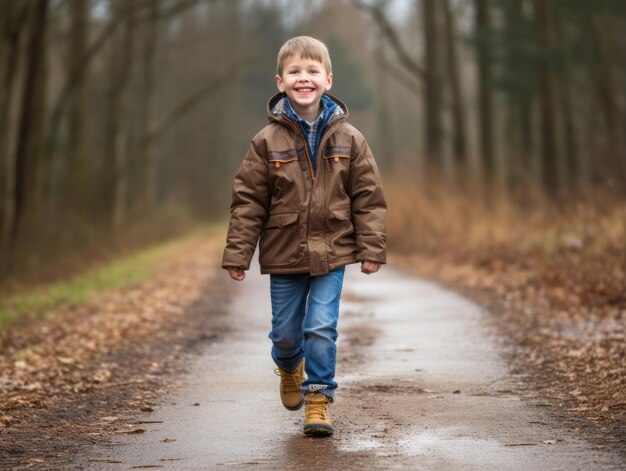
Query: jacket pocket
x=341 y=231
x=284 y=171
x=337 y=165
x=280 y=240
x=335 y=158
x=337 y=153
x=277 y=162
x=280 y=220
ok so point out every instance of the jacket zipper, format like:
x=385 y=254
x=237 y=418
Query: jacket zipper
x=306 y=145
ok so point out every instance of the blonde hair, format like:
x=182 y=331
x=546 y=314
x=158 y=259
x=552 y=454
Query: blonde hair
x=308 y=48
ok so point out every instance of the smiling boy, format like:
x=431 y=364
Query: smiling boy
x=310 y=189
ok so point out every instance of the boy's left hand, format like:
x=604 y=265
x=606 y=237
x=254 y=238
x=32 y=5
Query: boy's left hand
x=368 y=267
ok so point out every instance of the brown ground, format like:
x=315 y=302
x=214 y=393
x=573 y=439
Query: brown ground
x=422 y=386
x=86 y=373
x=563 y=325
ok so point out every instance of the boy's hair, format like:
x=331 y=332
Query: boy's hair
x=308 y=48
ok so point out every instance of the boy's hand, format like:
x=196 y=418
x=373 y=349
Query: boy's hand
x=236 y=273
x=368 y=267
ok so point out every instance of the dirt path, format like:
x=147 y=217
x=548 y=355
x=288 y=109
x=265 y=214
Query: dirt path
x=422 y=386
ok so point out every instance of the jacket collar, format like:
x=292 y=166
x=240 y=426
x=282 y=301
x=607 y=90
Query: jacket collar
x=276 y=108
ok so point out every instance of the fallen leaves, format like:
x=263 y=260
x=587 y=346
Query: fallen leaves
x=110 y=418
x=86 y=371
x=5 y=420
x=131 y=432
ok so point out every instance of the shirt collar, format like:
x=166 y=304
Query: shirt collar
x=289 y=111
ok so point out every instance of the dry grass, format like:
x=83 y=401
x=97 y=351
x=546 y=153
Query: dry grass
x=67 y=246
x=433 y=218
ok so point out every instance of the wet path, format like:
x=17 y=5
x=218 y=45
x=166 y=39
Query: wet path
x=421 y=387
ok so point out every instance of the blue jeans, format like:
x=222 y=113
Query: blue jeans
x=305 y=311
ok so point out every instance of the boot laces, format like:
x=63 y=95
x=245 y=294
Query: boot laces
x=290 y=381
x=317 y=410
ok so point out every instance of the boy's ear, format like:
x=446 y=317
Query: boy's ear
x=279 y=83
x=329 y=81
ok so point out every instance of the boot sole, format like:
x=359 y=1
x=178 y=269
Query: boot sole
x=318 y=430
x=298 y=407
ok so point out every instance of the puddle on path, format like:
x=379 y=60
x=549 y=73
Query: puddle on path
x=444 y=442
x=449 y=446
x=359 y=444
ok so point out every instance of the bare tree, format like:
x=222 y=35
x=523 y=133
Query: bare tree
x=147 y=150
x=543 y=9
x=485 y=99
x=383 y=116
x=603 y=31
x=458 y=107
x=79 y=10
x=433 y=91
x=31 y=110
x=122 y=66
x=564 y=96
x=13 y=17
x=516 y=36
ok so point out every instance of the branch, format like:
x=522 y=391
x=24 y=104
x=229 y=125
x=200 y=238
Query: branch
x=396 y=73
x=392 y=36
x=76 y=74
x=189 y=103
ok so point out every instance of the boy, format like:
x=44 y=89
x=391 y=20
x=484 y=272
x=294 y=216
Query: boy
x=310 y=189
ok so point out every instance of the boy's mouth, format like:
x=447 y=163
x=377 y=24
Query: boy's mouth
x=305 y=90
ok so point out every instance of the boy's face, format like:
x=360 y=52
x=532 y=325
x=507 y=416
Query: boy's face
x=304 y=81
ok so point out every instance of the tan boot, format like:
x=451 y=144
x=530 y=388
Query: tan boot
x=290 y=392
x=316 y=418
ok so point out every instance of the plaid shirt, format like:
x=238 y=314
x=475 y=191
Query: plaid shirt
x=313 y=131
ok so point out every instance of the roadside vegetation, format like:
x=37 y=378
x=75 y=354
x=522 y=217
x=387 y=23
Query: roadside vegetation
x=28 y=302
x=553 y=277
x=105 y=346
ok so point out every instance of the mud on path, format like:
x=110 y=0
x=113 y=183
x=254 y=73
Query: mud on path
x=422 y=386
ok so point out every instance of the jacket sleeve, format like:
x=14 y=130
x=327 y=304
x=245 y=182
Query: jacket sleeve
x=369 y=208
x=248 y=210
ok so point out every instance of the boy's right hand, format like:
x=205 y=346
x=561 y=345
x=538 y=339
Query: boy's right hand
x=236 y=273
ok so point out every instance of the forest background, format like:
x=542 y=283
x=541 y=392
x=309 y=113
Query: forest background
x=498 y=125
x=123 y=122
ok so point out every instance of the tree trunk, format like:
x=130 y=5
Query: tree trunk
x=543 y=10
x=30 y=113
x=225 y=18
x=147 y=149
x=604 y=83
x=12 y=24
x=76 y=133
x=122 y=60
x=519 y=138
x=483 y=25
x=571 y=176
x=383 y=116
x=458 y=107
x=432 y=92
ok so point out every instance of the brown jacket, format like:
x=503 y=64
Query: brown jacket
x=308 y=222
